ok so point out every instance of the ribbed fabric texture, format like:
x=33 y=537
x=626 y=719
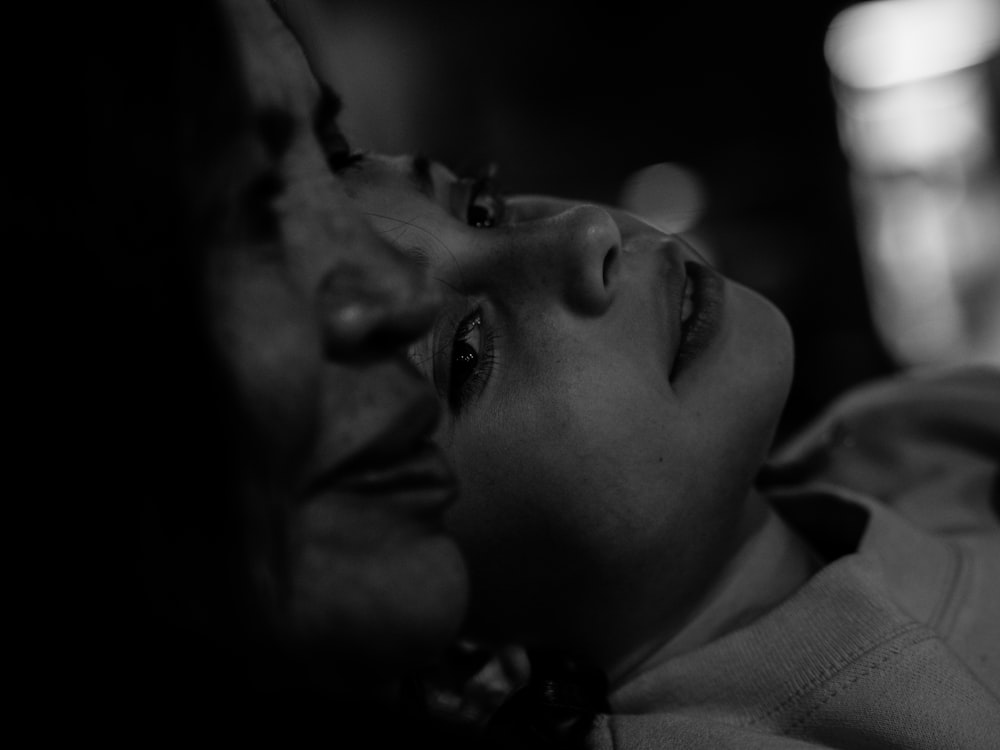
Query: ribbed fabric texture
x=895 y=645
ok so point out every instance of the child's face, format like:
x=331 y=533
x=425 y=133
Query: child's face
x=609 y=399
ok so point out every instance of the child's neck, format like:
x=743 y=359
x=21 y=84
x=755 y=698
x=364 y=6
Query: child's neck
x=770 y=564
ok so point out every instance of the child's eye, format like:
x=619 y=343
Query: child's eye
x=470 y=362
x=486 y=205
x=465 y=351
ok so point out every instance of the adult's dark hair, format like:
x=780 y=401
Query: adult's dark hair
x=164 y=105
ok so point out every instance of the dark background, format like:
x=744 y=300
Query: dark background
x=572 y=99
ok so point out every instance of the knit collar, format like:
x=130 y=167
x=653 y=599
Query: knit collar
x=843 y=611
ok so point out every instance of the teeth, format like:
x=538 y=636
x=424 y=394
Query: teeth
x=687 y=306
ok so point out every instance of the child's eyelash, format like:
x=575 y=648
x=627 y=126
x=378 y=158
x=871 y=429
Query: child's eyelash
x=474 y=384
x=470 y=358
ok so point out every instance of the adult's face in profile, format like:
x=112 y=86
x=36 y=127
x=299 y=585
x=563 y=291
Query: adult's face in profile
x=309 y=310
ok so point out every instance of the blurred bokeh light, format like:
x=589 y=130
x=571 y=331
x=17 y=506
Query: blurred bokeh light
x=916 y=87
x=667 y=195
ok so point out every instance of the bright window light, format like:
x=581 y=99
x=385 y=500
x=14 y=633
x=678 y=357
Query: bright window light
x=888 y=42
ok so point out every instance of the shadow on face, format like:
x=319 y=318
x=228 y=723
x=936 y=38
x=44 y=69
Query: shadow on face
x=271 y=441
x=609 y=399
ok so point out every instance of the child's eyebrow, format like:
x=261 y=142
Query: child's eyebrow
x=417 y=256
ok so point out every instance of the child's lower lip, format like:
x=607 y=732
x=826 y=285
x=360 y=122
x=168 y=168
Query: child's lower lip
x=700 y=327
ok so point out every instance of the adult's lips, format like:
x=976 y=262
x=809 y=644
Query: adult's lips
x=397 y=460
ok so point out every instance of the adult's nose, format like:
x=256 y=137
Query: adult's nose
x=375 y=303
x=577 y=252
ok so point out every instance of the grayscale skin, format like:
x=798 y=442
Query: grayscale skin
x=609 y=398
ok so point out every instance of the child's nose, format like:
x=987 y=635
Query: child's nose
x=578 y=253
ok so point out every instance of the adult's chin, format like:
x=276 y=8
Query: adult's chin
x=386 y=617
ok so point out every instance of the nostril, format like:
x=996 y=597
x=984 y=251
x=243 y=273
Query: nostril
x=610 y=265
